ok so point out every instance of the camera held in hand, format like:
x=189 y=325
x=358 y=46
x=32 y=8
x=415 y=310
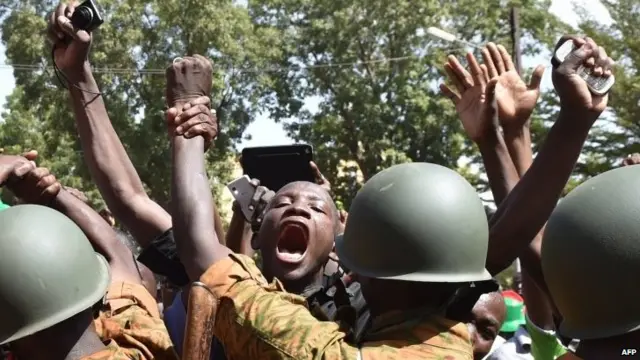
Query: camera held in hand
x=87 y=16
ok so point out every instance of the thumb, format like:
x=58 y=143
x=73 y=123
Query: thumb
x=65 y=24
x=490 y=90
x=171 y=114
x=490 y=94
x=578 y=57
x=31 y=155
x=536 y=78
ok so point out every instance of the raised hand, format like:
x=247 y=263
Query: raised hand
x=38 y=186
x=188 y=78
x=195 y=119
x=14 y=167
x=71 y=45
x=259 y=204
x=515 y=100
x=469 y=96
x=571 y=88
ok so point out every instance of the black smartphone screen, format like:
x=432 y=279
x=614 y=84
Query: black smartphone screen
x=276 y=166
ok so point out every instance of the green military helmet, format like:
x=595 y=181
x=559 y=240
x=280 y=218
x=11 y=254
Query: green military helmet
x=49 y=271
x=416 y=222
x=591 y=256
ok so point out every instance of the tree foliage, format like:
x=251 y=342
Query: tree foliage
x=136 y=35
x=379 y=111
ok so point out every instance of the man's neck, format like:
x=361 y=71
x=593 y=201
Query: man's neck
x=305 y=285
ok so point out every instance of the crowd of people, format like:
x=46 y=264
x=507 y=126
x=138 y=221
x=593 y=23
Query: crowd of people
x=407 y=273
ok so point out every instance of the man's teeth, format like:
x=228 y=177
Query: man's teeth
x=287 y=251
x=290 y=257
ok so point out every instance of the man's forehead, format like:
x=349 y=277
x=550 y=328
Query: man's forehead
x=304 y=188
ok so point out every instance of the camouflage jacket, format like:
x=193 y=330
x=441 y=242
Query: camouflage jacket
x=257 y=320
x=131 y=327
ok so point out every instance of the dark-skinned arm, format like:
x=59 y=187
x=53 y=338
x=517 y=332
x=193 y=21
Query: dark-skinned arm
x=501 y=172
x=38 y=186
x=473 y=101
x=217 y=220
x=102 y=237
x=239 y=234
x=110 y=166
x=537 y=301
x=534 y=289
x=192 y=208
x=527 y=208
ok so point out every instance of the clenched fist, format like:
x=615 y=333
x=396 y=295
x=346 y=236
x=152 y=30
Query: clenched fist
x=195 y=119
x=12 y=167
x=38 y=186
x=571 y=88
x=188 y=78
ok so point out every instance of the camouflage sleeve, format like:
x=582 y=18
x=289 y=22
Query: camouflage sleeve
x=255 y=320
x=130 y=322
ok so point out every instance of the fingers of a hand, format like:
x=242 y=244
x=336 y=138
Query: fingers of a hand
x=536 y=77
x=23 y=169
x=31 y=155
x=254 y=182
x=65 y=25
x=578 y=57
x=476 y=71
x=38 y=174
x=71 y=8
x=257 y=195
x=497 y=58
x=602 y=62
x=204 y=61
x=202 y=100
x=454 y=78
x=204 y=129
x=462 y=73
x=488 y=62
x=61 y=9
x=191 y=112
x=491 y=89
x=577 y=41
x=171 y=115
x=47 y=181
x=54 y=32
x=594 y=58
x=53 y=190
x=315 y=169
x=506 y=58
x=485 y=73
x=267 y=196
x=447 y=92
x=609 y=67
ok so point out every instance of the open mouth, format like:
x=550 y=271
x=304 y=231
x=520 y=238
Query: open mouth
x=292 y=242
